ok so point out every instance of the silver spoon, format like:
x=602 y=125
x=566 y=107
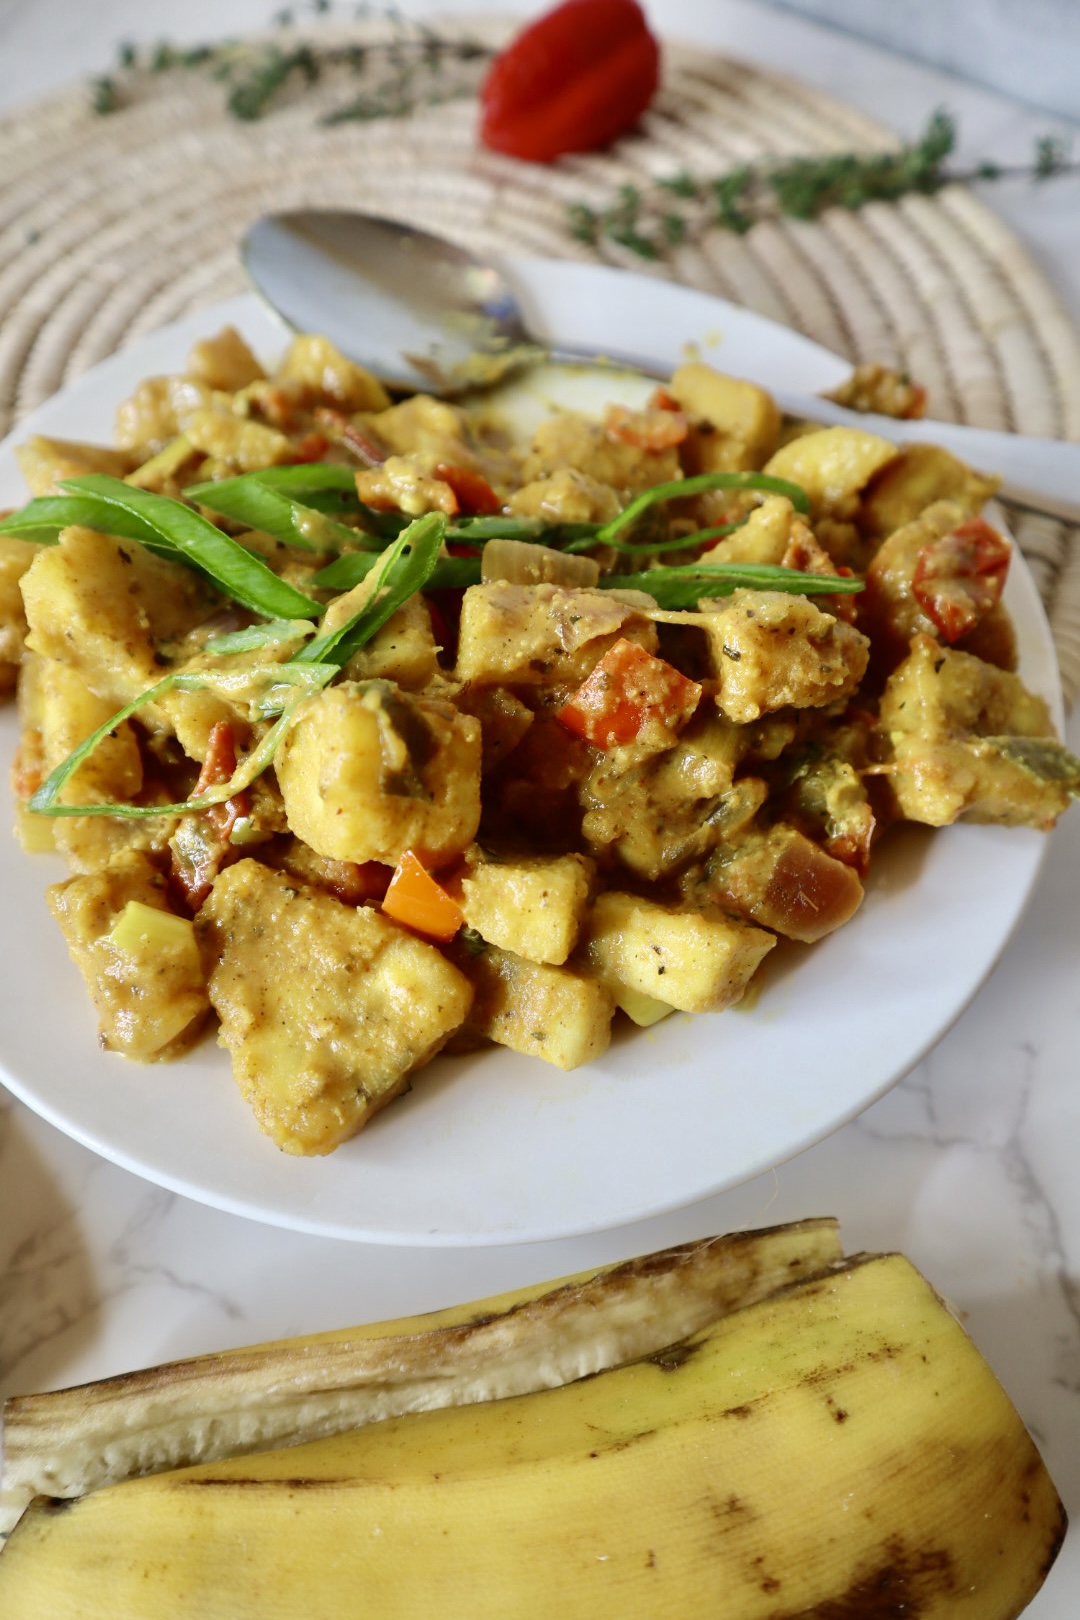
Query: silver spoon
x=425 y=314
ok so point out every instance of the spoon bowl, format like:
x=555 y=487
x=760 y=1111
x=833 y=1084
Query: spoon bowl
x=425 y=314
x=414 y=308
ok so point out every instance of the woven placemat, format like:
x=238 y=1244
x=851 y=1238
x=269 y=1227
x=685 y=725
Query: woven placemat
x=111 y=226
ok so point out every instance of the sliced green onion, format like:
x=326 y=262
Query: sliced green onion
x=193 y=539
x=454 y=573
x=700 y=537
x=252 y=501
x=345 y=572
x=684 y=587
x=476 y=531
x=404 y=568
x=323 y=485
x=42 y=520
x=260 y=635
x=699 y=484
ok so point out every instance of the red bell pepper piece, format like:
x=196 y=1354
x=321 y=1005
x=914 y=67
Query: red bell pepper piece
x=959 y=578
x=415 y=900
x=571 y=81
x=475 y=496
x=627 y=691
x=651 y=429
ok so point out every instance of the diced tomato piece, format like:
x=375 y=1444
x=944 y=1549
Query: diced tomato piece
x=415 y=900
x=217 y=767
x=627 y=691
x=475 y=496
x=364 y=442
x=648 y=429
x=960 y=577
x=312 y=447
x=915 y=408
x=806 y=553
x=356 y=883
x=661 y=400
x=201 y=845
x=571 y=81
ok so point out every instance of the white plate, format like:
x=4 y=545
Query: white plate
x=494 y=1148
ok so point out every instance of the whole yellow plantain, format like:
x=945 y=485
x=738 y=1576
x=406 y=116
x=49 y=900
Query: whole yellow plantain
x=837 y=1449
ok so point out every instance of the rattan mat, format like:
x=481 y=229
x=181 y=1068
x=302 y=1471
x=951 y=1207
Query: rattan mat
x=111 y=226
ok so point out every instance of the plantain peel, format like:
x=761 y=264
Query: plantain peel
x=75 y=1440
x=834 y=1447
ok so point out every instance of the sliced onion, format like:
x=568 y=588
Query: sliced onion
x=519 y=562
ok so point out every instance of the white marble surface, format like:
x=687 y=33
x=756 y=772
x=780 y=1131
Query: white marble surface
x=968 y=1166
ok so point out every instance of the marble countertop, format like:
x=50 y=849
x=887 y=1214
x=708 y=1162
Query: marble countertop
x=968 y=1165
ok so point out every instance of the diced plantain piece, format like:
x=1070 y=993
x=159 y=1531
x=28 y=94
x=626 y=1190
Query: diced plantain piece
x=644 y=1011
x=531 y=635
x=770 y=650
x=224 y=362
x=658 y=815
x=554 y=1013
x=44 y=462
x=90 y=598
x=326 y=1009
x=148 y=987
x=402 y=482
x=330 y=378
x=736 y=423
x=565 y=496
x=947 y=715
x=763 y=538
x=368 y=771
x=433 y=430
x=57 y=705
x=833 y=465
x=697 y=961
x=156 y=411
x=237 y=441
x=532 y=905
x=569 y=440
x=917 y=477
x=89 y=602
x=15 y=558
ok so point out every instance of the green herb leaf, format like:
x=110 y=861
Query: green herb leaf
x=1042 y=757
x=678 y=489
x=404 y=568
x=449 y=573
x=43 y=518
x=260 y=635
x=684 y=587
x=193 y=539
x=258 y=504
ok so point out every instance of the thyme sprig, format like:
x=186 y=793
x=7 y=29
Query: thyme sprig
x=650 y=220
x=396 y=75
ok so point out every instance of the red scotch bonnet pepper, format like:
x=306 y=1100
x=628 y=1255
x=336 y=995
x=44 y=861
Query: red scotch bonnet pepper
x=571 y=81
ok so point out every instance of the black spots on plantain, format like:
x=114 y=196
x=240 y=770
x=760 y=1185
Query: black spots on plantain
x=903 y=1584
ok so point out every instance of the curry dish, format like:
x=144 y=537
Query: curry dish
x=368 y=732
